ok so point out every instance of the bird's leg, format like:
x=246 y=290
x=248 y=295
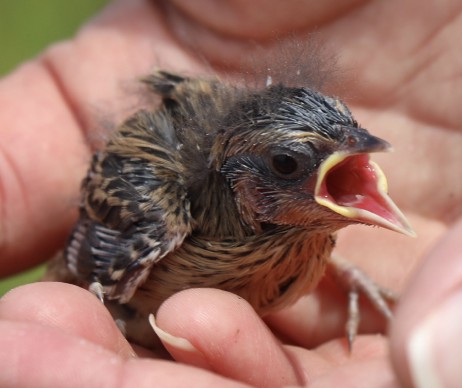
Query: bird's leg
x=97 y=289
x=356 y=281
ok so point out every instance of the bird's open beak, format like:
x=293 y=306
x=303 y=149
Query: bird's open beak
x=355 y=187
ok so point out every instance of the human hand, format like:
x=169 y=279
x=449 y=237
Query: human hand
x=388 y=60
x=59 y=335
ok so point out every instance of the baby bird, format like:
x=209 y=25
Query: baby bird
x=225 y=187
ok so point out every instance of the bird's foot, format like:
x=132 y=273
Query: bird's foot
x=356 y=281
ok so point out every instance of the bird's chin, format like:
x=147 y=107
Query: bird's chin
x=354 y=187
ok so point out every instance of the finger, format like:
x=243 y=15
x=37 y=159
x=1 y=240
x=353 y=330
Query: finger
x=42 y=158
x=39 y=356
x=426 y=334
x=322 y=316
x=371 y=373
x=239 y=19
x=327 y=361
x=226 y=336
x=67 y=308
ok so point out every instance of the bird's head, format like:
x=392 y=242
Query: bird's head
x=296 y=157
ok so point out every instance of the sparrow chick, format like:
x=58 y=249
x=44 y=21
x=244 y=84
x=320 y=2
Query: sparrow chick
x=230 y=188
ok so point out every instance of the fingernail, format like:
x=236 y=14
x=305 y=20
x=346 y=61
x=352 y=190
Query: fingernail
x=180 y=348
x=435 y=347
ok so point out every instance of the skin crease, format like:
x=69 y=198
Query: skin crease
x=401 y=81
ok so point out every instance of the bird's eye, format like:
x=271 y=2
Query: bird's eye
x=284 y=164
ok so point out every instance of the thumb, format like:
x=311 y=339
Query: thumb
x=426 y=336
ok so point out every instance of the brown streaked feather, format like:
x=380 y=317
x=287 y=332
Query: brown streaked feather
x=267 y=270
x=264 y=262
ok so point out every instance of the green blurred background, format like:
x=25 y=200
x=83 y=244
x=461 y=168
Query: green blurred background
x=26 y=28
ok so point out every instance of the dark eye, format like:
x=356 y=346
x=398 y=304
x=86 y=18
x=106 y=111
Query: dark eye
x=284 y=164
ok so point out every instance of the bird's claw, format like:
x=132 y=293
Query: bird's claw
x=359 y=282
x=96 y=288
x=121 y=325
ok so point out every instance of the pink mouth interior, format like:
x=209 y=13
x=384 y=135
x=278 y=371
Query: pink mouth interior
x=353 y=183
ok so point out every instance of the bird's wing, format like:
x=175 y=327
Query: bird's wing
x=135 y=208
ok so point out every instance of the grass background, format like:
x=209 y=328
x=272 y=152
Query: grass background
x=26 y=28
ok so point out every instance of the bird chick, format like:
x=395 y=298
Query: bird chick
x=224 y=187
